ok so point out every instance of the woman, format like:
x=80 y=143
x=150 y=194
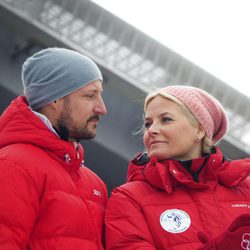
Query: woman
x=181 y=193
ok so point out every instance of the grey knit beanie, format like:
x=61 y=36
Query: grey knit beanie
x=53 y=73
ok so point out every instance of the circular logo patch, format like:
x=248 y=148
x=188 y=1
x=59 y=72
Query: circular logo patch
x=175 y=221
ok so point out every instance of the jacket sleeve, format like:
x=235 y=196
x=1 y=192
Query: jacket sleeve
x=126 y=227
x=237 y=236
x=19 y=202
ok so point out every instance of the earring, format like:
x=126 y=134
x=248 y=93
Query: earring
x=197 y=138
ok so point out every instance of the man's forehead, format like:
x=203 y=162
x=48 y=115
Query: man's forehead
x=93 y=86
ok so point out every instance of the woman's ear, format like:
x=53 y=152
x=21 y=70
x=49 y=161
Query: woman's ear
x=200 y=133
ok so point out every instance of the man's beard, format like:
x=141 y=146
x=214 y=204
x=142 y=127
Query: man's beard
x=65 y=133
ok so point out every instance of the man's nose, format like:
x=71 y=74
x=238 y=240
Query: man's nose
x=100 y=108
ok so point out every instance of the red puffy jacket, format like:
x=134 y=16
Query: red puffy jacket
x=166 y=205
x=48 y=199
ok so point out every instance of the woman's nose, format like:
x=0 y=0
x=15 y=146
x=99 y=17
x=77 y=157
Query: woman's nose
x=153 y=130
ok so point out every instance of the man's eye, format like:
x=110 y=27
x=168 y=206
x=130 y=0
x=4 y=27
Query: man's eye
x=90 y=95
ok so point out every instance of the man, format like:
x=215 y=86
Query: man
x=48 y=198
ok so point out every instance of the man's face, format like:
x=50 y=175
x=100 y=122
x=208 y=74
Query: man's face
x=81 y=112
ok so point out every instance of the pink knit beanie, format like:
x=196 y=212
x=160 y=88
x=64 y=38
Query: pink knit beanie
x=206 y=109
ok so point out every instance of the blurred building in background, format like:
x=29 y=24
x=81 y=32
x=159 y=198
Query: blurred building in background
x=132 y=64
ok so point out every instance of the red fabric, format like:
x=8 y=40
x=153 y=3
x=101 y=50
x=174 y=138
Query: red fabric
x=236 y=237
x=48 y=200
x=162 y=207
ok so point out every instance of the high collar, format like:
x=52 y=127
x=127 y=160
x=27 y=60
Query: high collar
x=18 y=124
x=169 y=173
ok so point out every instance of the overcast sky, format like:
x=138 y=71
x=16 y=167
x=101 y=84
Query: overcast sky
x=214 y=34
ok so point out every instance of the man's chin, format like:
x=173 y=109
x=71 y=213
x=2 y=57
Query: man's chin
x=89 y=135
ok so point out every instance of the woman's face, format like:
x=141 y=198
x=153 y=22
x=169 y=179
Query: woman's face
x=169 y=133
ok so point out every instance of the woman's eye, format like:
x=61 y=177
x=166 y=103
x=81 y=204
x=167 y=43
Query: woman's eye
x=167 y=119
x=146 y=124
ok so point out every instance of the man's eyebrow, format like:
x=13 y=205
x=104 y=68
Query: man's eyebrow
x=95 y=91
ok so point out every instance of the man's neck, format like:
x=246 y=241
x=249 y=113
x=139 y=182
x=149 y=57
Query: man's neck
x=45 y=121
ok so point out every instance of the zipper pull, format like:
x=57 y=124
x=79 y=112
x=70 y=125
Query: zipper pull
x=76 y=144
x=67 y=158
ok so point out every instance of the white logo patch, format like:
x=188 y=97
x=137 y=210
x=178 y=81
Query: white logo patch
x=175 y=221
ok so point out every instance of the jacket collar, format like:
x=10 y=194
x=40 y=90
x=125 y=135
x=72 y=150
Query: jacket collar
x=169 y=173
x=18 y=124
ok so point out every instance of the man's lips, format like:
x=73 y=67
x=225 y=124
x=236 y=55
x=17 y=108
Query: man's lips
x=94 y=119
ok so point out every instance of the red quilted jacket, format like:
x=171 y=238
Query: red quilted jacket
x=48 y=199
x=166 y=205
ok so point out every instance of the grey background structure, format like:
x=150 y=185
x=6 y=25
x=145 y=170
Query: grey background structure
x=132 y=64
